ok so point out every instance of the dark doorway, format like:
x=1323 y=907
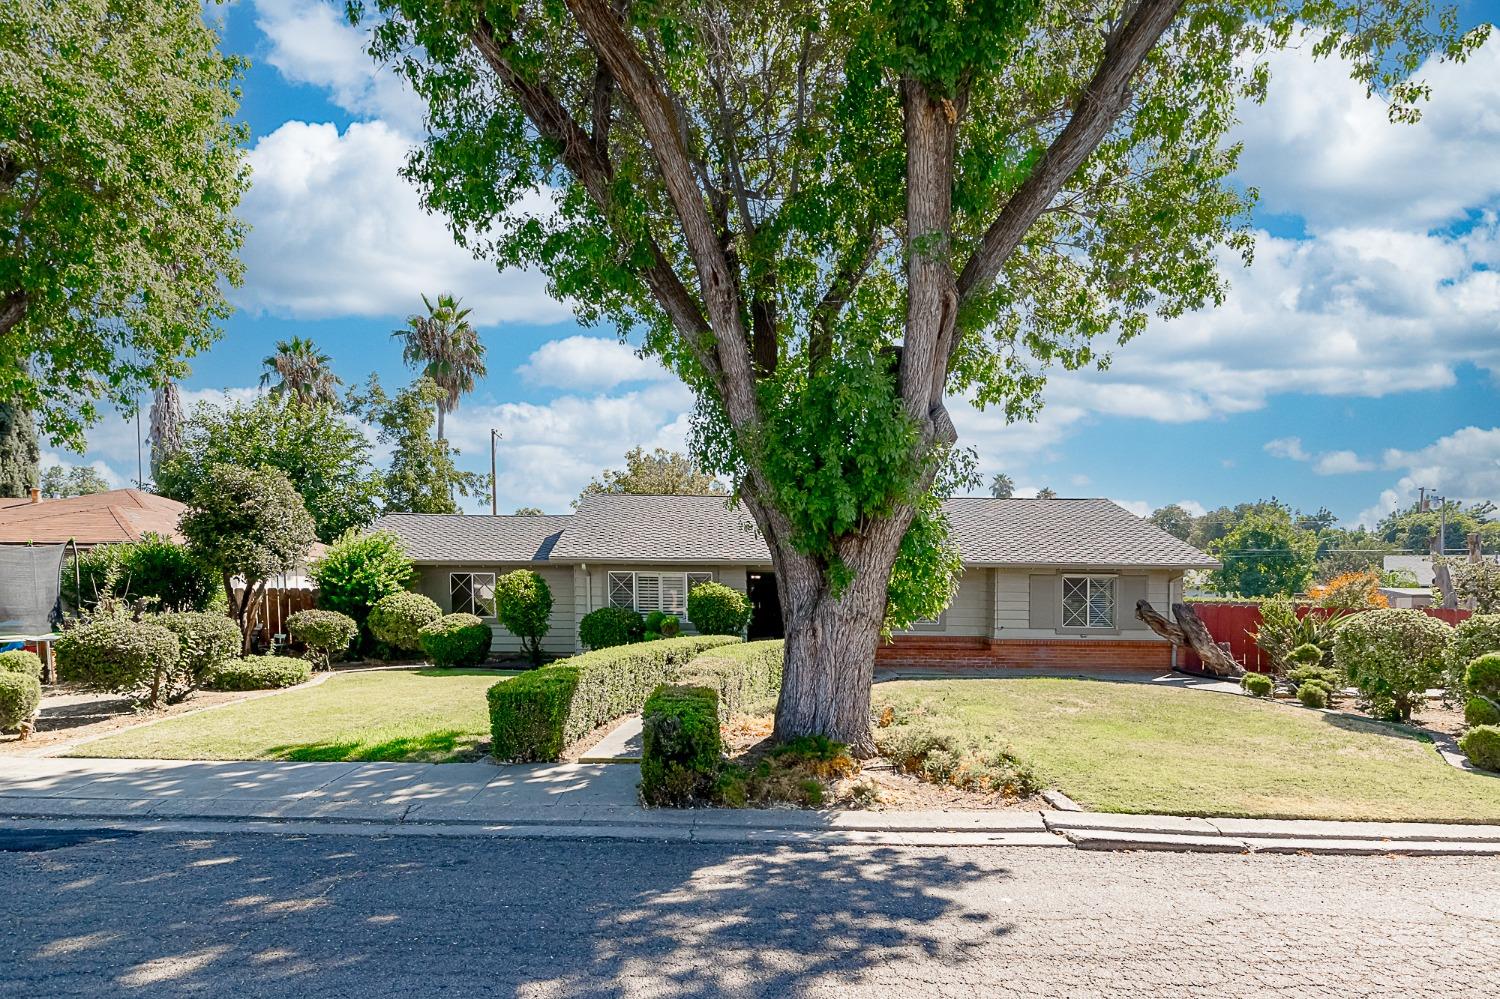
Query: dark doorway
x=765 y=606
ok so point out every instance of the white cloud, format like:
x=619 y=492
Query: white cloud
x=1287 y=447
x=312 y=43
x=1463 y=466
x=1341 y=463
x=550 y=451
x=338 y=232
x=1321 y=149
x=1138 y=507
x=585 y=362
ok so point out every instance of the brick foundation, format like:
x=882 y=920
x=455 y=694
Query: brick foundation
x=949 y=651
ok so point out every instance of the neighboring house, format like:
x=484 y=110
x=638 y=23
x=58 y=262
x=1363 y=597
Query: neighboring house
x=107 y=518
x=1408 y=597
x=1046 y=582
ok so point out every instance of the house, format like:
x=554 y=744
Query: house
x=1408 y=597
x=106 y=518
x=1045 y=582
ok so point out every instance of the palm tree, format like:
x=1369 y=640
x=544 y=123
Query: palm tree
x=1002 y=486
x=444 y=346
x=1046 y=492
x=302 y=371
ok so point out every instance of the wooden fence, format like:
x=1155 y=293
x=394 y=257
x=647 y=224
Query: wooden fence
x=1235 y=624
x=268 y=616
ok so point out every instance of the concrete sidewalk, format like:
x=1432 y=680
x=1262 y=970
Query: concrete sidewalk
x=598 y=801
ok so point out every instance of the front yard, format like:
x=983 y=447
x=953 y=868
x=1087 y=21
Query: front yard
x=1126 y=747
x=423 y=716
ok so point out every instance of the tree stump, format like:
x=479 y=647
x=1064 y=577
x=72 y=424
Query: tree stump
x=1189 y=632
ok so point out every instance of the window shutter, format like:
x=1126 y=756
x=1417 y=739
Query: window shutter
x=673 y=592
x=484 y=594
x=1132 y=590
x=647 y=592
x=1041 y=606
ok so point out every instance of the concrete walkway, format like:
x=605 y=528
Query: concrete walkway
x=598 y=801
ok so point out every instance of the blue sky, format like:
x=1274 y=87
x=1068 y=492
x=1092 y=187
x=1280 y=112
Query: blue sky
x=1355 y=361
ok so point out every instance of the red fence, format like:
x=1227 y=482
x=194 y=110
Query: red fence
x=1235 y=625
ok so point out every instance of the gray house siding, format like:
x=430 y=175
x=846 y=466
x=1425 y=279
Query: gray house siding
x=562 y=634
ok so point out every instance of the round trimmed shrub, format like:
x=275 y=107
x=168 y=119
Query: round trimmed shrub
x=396 y=619
x=204 y=640
x=120 y=656
x=1481 y=745
x=1257 y=684
x=456 y=640
x=1313 y=694
x=1306 y=654
x=1392 y=657
x=325 y=633
x=610 y=626
x=20 y=694
x=22 y=662
x=716 y=609
x=1472 y=637
x=258 y=673
x=1483 y=675
x=523 y=606
x=1481 y=711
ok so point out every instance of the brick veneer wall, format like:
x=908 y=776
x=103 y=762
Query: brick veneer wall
x=949 y=651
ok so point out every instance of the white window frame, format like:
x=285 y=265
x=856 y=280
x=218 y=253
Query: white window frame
x=1091 y=580
x=658 y=586
x=487 y=611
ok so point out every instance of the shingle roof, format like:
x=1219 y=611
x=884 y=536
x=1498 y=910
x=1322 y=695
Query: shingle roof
x=613 y=528
x=660 y=529
x=1066 y=532
x=96 y=519
x=436 y=537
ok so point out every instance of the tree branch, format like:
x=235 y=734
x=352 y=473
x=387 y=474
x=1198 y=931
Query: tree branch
x=1097 y=108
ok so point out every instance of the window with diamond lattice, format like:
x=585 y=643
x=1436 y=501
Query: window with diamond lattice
x=654 y=591
x=472 y=593
x=1088 y=602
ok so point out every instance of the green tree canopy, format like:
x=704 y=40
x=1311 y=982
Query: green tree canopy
x=656 y=473
x=1265 y=554
x=1173 y=519
x=1413 y=529
x=829 y=218
x=62 y=481
x=422 y=477
x=250 y=523
x=121 y=166
x=324 y=454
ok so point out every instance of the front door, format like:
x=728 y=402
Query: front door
x=765 y=606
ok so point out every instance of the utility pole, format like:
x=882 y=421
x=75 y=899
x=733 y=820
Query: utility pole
x=494 y=482
x=140 y=467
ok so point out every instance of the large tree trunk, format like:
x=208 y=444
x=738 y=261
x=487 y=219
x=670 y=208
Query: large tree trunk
x=1189 y=632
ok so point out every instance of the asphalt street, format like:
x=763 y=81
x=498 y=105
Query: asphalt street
x=156 y=914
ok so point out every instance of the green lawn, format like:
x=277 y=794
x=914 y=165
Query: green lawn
x=1125 y=747
x=427 y=716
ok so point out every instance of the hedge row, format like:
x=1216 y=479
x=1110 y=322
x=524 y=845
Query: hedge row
x=681 y=749
x=740 y=675
x=535 y=715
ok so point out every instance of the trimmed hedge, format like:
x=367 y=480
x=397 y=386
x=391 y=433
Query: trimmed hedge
x=682 y=750
x=1257 y=685
x=20 y=694
x=1472 y=637
x=523 y=606
x=398 y=619
x=326 y=634
x=716 y=609
x=22 y=662
x=456 y=640
x=121 y=656
x=204 y=639
x=608 y=627
x=258 y=673
x=536 y=715
x=1481 y=744
x=739 y=674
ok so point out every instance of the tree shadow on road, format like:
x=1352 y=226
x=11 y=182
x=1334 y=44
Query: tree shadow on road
x=290 y=916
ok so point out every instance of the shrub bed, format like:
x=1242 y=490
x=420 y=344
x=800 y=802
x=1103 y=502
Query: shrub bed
x=23 y=662
x=608 y=627
x=536 y=715
x=20 y=693
x=739 y=674
x=258 y=673
x=456 y=640
x=327 y=634
x=204 y=640
x=682 y=751
x=121 y=656
x=398 y=619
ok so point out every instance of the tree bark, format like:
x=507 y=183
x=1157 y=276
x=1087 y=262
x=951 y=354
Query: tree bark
x=1189 y=632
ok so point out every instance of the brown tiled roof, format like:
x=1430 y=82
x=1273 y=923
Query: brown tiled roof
x=704 y=529
x=440 y=537
x=97 y=519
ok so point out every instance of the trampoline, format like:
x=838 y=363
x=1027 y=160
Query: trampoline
x=30 y=597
